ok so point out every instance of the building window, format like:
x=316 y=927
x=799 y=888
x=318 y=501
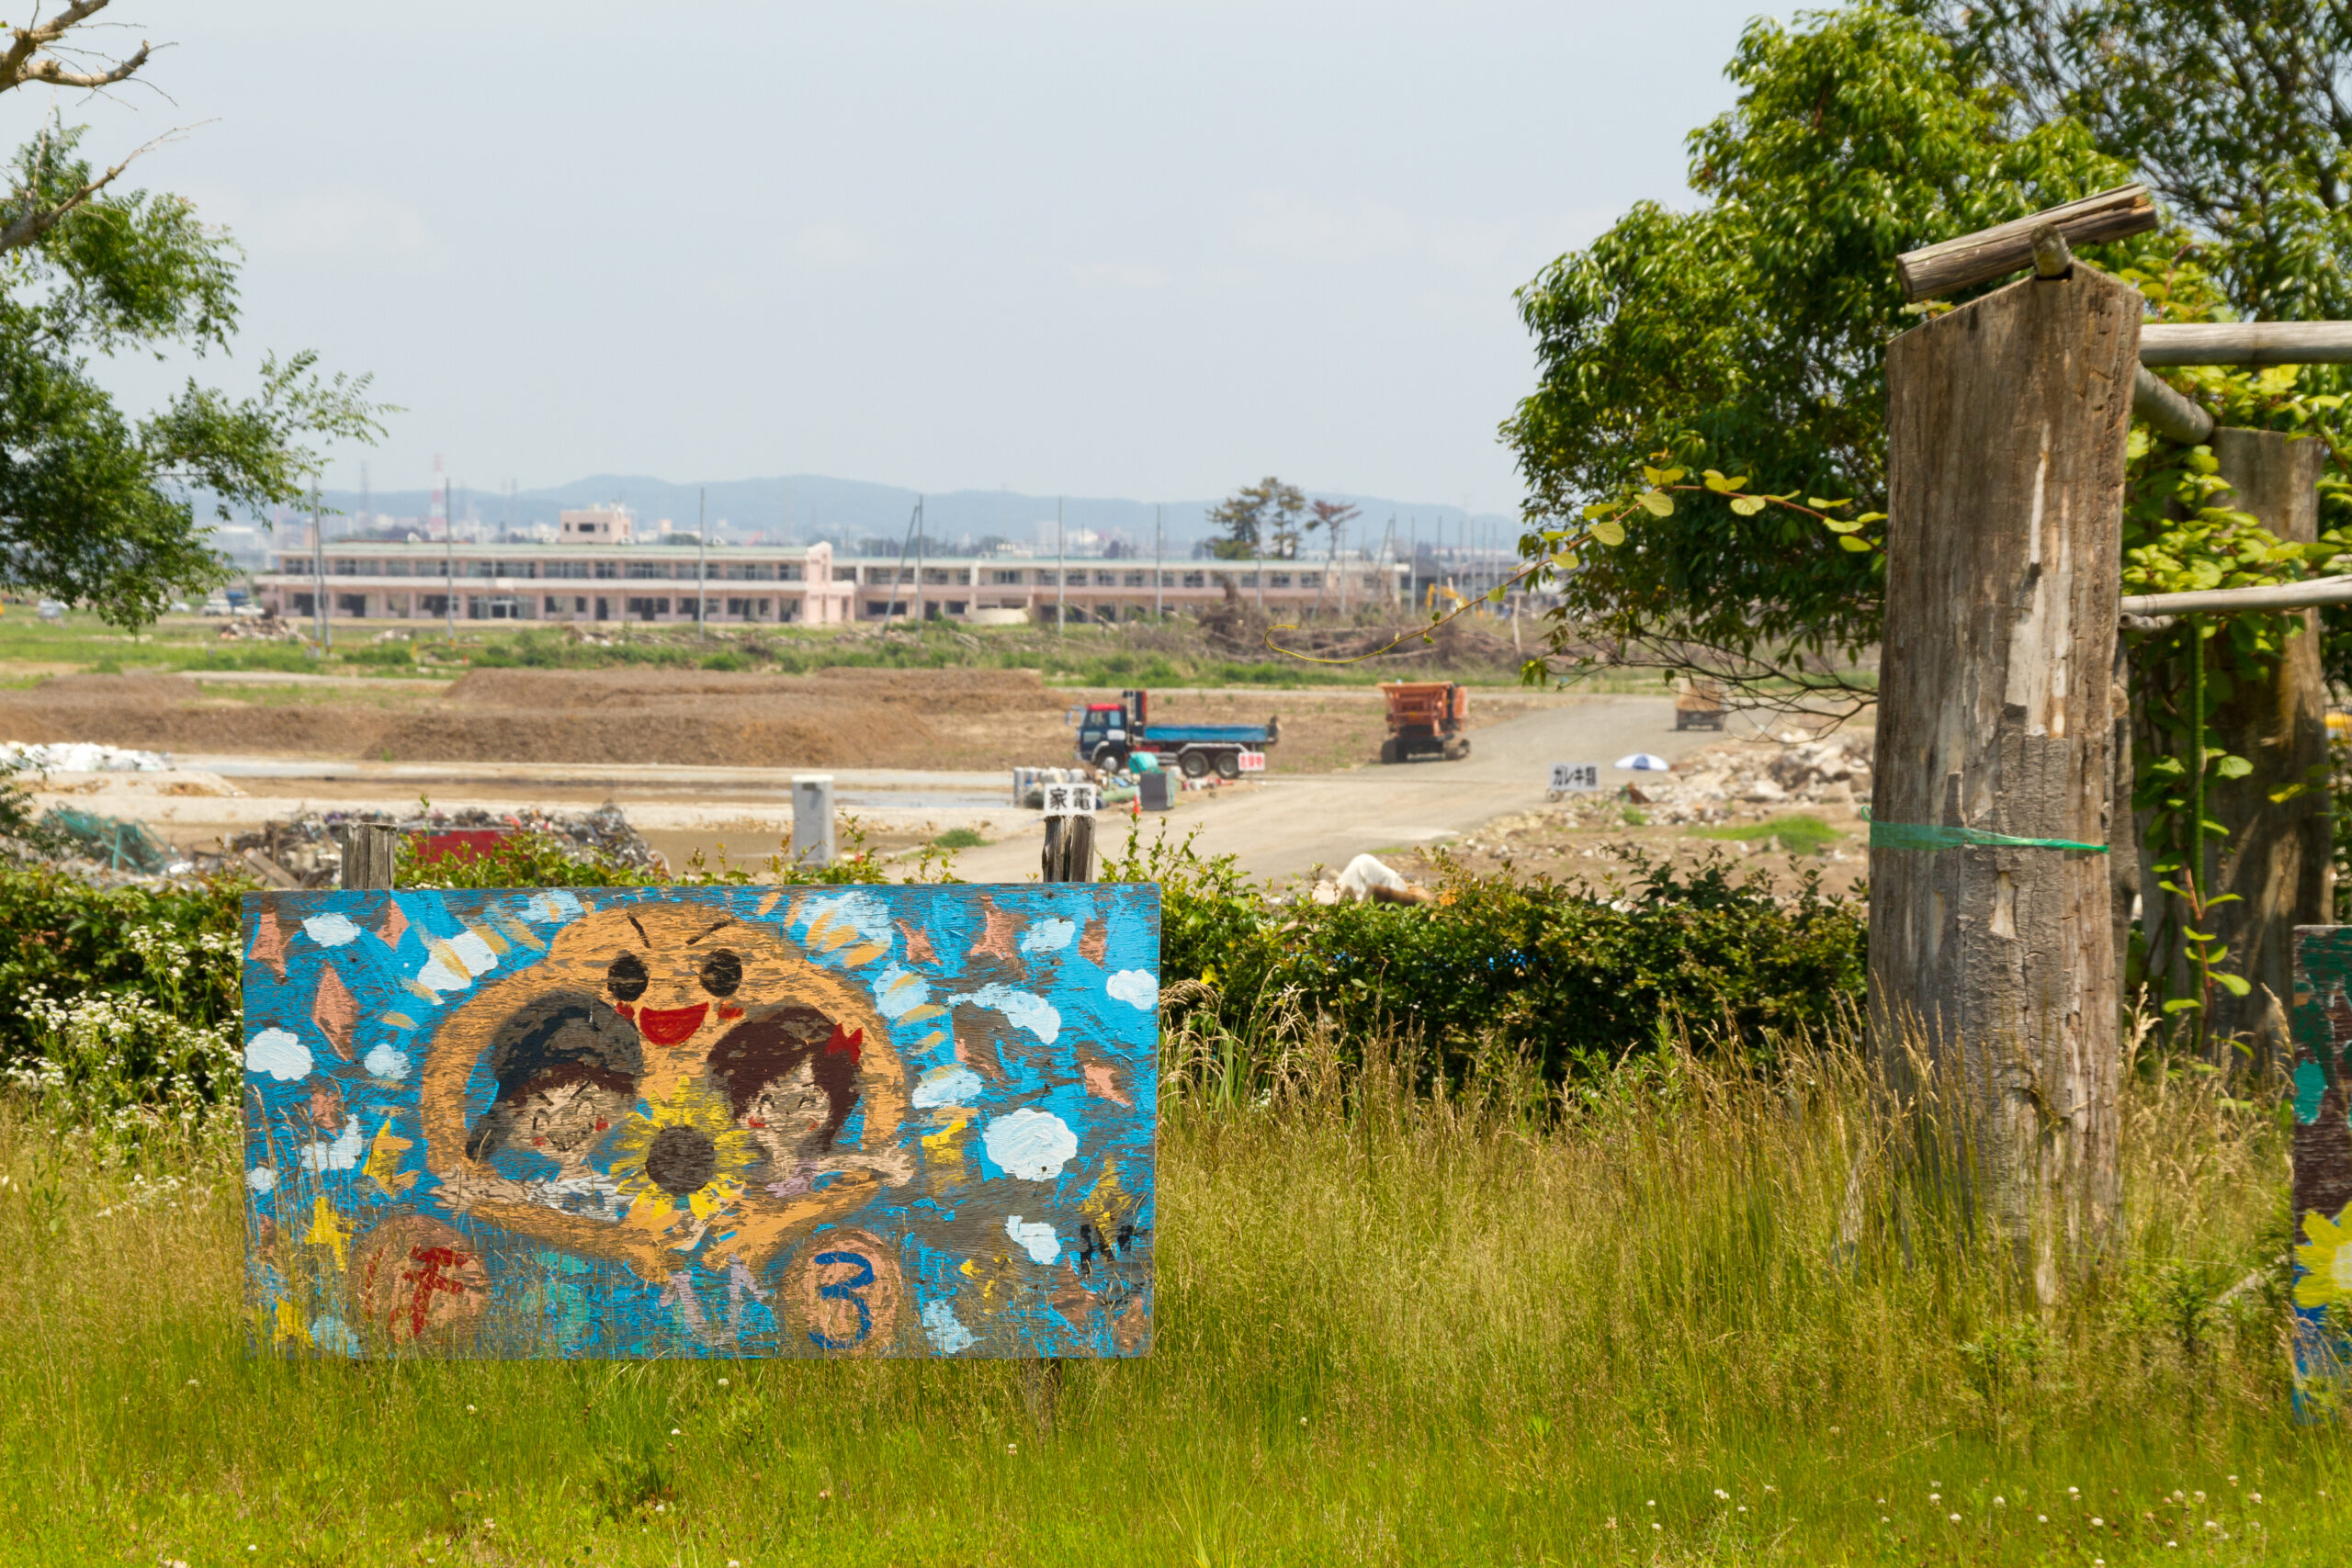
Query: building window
x=1106 y=580
x=433 y=603
x=789 y=610
x=648 y=609
x=844 y=574
x=877 y=608
x=1278 y=579
x=550 y=604
x=1005 y=578
x=306 y=604
x=517 y=569
x=745 y=609
x=343 y=565
x=1248 y=579
x=396 y=568
x=607 y=568
x=480 y=568
x=1136 y=580
x=352 y=604
x=788 y=572
x=1196 y=580
x=645 y=568
x=1310 y=580
x=564 y=569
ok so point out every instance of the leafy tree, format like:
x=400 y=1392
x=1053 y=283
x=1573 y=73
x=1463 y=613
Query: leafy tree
x=1331 y=516
x=2235 y=111
x=94 y=505
x=1259 y=519
x=1749 y=335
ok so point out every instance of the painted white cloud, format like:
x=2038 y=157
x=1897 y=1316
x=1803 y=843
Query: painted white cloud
x=898 y=992
x=475 y=954
x=331 y=930
x=946 y=1334
x=1049 y=936
x=1037 y=1240
x=947 y=1085
x=278 y=1053
x=1030 y=1144
x=1025 y=1009
x=1137 y=988
x=553 y=904
x=439 y=976
x=261 y=1179
x=863 y=911
x=340 y=1155
x=386 y=1062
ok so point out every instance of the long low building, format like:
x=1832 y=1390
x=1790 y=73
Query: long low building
x=782 y=584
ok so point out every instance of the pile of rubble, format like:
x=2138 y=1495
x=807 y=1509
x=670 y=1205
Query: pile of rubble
x=306 y=853
x=264 y=628
x=79 y=757
x=1738 y=780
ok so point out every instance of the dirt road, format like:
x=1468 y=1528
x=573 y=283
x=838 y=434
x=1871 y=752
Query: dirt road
x=1283 y=827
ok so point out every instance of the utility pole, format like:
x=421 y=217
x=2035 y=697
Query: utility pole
x=319 y=568
x=449 y=558
x=1159 y=563
x=1061 y=565
x=702 y=560
x=921 y=524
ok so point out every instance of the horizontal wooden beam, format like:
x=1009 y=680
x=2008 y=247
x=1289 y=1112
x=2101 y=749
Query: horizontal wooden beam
x=1933 y=271
x=2168 y=412
x=2238 y=601
x=2246 y=342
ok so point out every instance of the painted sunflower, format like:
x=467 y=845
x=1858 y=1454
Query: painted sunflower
x=2326 y=1261
x=682 y=1152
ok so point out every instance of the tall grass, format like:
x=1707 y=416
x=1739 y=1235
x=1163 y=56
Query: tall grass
x=1690 y=1313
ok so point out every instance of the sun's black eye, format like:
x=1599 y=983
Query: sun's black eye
x=722 y=972
x=627 y=977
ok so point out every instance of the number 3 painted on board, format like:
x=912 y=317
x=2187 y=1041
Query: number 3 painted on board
x=845 y=1291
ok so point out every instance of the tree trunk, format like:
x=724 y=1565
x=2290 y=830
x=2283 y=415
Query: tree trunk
x=1993 y=967
x=2278 y=858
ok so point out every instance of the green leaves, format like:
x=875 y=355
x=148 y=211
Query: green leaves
x=1608 y=531
x=1657 y=502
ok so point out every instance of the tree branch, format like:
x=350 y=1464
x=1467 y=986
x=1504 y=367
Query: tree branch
x=33 y=224
x=20 y=63
x=53 y=72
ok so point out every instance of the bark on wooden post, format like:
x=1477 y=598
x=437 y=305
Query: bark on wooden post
x=2277 y=857
x=367 y=854
x=1995 y=964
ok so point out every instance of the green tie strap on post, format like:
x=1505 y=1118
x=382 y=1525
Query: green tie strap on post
x=1921 y=836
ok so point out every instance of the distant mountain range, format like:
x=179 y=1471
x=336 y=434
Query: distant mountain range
x=801 y=508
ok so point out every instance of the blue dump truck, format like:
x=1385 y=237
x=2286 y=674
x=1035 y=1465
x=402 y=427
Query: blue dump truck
x=1107 y=732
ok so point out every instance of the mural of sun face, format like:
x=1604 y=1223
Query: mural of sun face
x=734 y=1121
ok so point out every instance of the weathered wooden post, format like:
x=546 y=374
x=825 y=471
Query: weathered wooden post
x=369 y=849
x=1992 y=952
x=2277 y=857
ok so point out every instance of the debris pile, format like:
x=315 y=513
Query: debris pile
x=264 y=628
x=79 y=757
x=1733 y=782
x=107 y=849
x=305 y=852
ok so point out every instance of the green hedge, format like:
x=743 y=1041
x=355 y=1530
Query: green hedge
x=1565 y=975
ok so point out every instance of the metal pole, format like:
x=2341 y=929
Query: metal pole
x=1061 y=566
x=920 y=525
x=702 y=559
x=1159 y=564
x=319 y=569
x=449 y=560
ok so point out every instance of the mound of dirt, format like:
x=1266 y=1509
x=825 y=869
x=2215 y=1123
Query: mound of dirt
x=949 y=718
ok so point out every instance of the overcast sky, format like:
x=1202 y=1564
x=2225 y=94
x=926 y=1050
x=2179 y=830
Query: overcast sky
x=1102 y=247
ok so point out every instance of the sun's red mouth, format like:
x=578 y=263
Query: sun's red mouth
x=669 y=1026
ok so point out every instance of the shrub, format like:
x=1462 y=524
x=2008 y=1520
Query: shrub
x=1560 y=974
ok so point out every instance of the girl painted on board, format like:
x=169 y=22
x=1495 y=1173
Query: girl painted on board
x=790 y=1079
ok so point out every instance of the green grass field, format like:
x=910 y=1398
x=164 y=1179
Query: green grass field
x=1663 y=1322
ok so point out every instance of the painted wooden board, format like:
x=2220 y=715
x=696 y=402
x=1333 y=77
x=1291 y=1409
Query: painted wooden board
x=903 y=1120
x=2322 y=1170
